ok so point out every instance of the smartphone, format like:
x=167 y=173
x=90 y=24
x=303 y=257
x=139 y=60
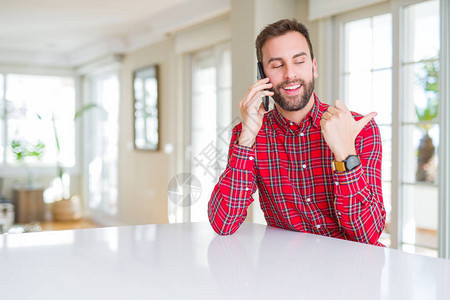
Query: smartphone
x=261 y=75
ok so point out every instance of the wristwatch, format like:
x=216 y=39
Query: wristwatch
x=348 y=164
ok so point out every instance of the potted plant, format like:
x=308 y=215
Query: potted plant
x=425 y=155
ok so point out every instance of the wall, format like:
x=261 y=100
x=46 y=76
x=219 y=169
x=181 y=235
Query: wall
x=143 y=175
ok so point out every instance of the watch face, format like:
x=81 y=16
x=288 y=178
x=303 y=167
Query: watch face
x=352 y=162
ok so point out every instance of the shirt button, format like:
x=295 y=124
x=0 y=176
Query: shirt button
x=251 y=158
x=291 y=123
x=308 y=199
x=247 y=189
x=302 y=134
x=304 y=166
x=318 y=226
x=336 y=183
x=339 y=213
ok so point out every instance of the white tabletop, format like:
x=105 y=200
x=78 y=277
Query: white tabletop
x=190 y=261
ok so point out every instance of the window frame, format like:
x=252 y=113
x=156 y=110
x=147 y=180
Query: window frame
x=213 y=52
x=444 y=126
x=184 y=214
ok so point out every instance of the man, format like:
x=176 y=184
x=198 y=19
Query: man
x=317 y=167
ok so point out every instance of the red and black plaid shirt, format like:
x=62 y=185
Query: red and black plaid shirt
x=290 y=164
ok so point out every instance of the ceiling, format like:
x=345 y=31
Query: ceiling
x=71 y=32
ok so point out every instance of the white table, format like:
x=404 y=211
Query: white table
x=189 y=261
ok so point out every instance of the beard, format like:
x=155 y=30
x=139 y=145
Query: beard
x=297 y=102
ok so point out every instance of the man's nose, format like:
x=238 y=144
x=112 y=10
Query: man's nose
x=289 y=72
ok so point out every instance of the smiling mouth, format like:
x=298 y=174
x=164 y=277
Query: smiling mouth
x=292 y=89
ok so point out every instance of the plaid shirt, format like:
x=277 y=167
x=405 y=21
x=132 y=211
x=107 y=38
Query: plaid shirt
x=290 y=164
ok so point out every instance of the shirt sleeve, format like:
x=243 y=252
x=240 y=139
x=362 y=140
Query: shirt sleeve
x=232 y=195
x=358 y=196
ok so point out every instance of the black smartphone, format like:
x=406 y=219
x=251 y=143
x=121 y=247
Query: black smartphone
x=261 y=75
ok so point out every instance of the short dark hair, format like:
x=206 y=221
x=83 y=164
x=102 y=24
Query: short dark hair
x=278 y=28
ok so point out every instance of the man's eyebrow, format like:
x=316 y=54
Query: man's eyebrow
x=300 y=54
x=279 y=58
x=274 y=59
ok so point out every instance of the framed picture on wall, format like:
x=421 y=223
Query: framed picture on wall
x=146 y=114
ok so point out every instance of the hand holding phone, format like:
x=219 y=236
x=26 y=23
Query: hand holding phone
x=252 y=112
x=261 y=75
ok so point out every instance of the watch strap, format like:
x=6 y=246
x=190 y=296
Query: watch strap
x=338 y=166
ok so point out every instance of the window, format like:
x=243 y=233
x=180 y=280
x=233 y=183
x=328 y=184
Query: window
x=371 y=59
x=367 y=77
x=210 y=121
x=101 y=143
x=30 y=104
x=420 y=128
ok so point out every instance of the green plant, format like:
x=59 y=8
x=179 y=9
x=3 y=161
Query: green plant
x=24 y=149
x=425 y=152
x=430 y=84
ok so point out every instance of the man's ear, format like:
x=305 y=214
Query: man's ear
x=315 y=68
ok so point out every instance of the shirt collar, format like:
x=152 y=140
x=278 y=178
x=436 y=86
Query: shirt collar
x=312 y=118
